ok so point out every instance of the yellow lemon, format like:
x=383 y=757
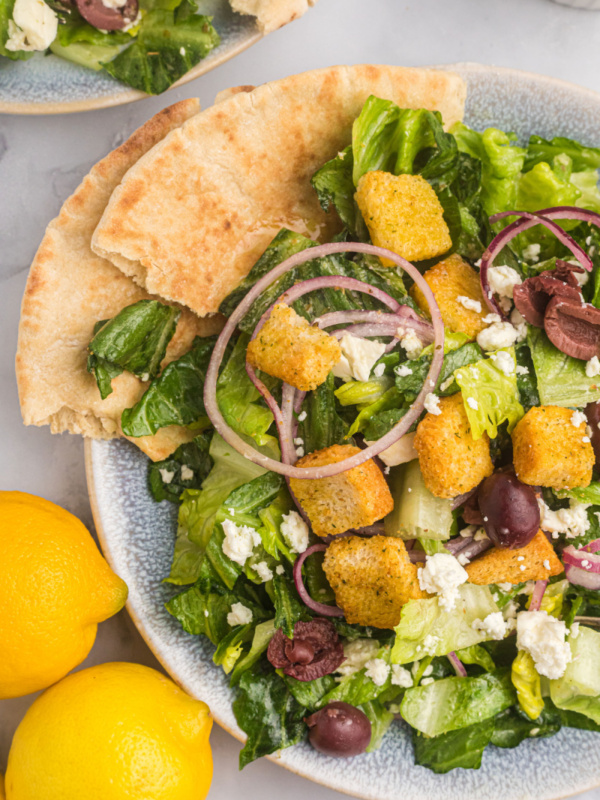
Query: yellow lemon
x=54 y=589
x=112 y=732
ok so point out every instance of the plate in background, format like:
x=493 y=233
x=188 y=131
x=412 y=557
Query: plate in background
x=52 y=85
x=137 y=537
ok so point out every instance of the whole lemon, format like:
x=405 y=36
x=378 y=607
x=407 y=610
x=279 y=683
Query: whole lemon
x=54 y=589
x=112 y=732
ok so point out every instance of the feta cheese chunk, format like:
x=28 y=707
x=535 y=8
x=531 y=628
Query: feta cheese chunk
x=572 y=521
x=532 y=252
x=442 y=575
x=295 y=532
x=357 y=654
x=469 y=303
x=504 y=361
x=166 y=475
x=401 y=677
x=410 y=342
x=378 y=670
x=400 y=452
x=240 y=541
x=239 y=615
x=577 y=418
x=432 y=404
x=264 y=572
x=498 y=335
x=186 y=473
x=33 y=27
x=543 y=637
x=402 y=371
x=518 y=321
x=592 y=368
x=493 y=625
x=503 y=279
x=358 y=358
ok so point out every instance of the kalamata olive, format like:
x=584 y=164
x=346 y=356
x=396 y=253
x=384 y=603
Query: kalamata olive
x=592 y=412
x=510 y=511
x=109 y=17
x=339 y=730
x=300 y=652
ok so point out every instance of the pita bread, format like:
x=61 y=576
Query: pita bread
x=192 y=216
x=69 y=288
x=272 y=14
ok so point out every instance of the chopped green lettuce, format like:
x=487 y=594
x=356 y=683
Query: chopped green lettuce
x=426 y=628
x=583 y=158
x=334 y=186
x=579 y=688
x=587 y=184
x=453 y=703
x=459 y=748
x=263 y=633
x=543 y=187
x=322 y=426
x=561 y=379
x=380 y=719
x=417 y=512
x=166 y=478
x=490 y=397
x=354 y=393
x=86 y=54
x=587 y=494
x=455 y=358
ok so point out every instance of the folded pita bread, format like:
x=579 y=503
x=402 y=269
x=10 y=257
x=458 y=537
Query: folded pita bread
x=192 y=216
x=69 y=289
x=272 y=14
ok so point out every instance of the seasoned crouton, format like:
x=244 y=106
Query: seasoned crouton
x=403 y=213
x=372 y=579
x=537 y=561
x=450 y=280
x=550 y=450
x=451 y=461
x=352 y=499
x=288 y=347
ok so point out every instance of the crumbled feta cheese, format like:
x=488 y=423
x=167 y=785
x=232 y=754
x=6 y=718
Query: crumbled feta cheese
x=113 y=3
x=574 y=632
x=358 y=357
x=400 y=452
x=33 y=26
x=493 y=625
x=577 y=418
x=543 y=637
x=469 y=303
x=532 y=252
x=522 y=370
x=503 y=280
x=572 y=521
x=401 y=677
x=428 y=671
x=299 y=441
x=491 y=318
x=186 y=473
x=442 y=575
x=239 y=615
x=206 y=614
x=447 y=383
x=509 y=612
x=430 y=643
x=181 y=49
x=426 y=681
x=280 y=569
x=239 y=542
x=480 y=534
x=231 y=511
x=402 y=371
x=520 y=325
x=386 y=470
x=379 y=370
x=520 y=558
x=592 y=368
x=505 y=587
x=356 y=655
x=463 y=559
x=299 y=452
x=295 y=532
x=378 y=670
x=586 y=440
x=410 y=342
x=504 y=361
x=534 y=731
x=522 y=567
x=546 y=564
x=263 y=571
x=499 y=334
x=166 y=475
x=432 y=404
x=472 y=403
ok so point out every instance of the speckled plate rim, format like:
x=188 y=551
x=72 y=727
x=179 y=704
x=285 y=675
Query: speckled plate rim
x=154 y=643
x=123 y=95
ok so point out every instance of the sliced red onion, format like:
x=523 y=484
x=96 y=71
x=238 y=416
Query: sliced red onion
x=537 y=595
x=474 y=549
x=288 y=452
x=588 y=561
x=379 y=322
x=582 y=577
x=461 y=499
x=417 y=556
x=592 y=547
x=528 y=220
x=319 y=608
x=456 y=545
x=377 y=529
x=459 y=667
x=210 y=399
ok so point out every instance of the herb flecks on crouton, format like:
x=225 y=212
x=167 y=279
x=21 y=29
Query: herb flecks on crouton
x=289 y=348
x=451 y=461
x=403 y=213
x=372 y=579
x=549 y=450
x=537 y=561
x=355 y=498
x=450 y=280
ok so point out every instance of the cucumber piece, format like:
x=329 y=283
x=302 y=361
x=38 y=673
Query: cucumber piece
x=417 y=512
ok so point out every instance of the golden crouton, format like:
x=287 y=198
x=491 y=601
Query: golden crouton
x=352 y=499
x=403 y=213
x=549 y=450
x=372 y=579
x=451 y=461
x=288 y=347
x=537 y=561
x=450 y=279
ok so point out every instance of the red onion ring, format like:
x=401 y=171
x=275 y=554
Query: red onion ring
x=537 y=595
x=582 y=577
x=319 y=608
x=528 y=220
x=459 y=667
x=461 y=499
x=592 y=547
x=210 y=399
x=588 y=561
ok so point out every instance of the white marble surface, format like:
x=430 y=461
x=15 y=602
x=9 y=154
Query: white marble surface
x=43 y=159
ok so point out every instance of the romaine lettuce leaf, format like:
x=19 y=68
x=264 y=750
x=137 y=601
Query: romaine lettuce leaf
x=263 y=634
x=165 y=477
x=288 y=607
x=354 y=393
x=495 y=396
x=168 y=44
x=460 y=748
x=588 y=494
x=453 y=703
x=477 y=655
x=135 y=340
x=380 y=719
x=579 y=688
x=511 y=727
x=310 y=693
x=87 y=54
x=322 y=426
x=335 y=189
x=543 y=187
x=561 y=379
x=447 y=630
x=376 y=137
x=417 y=512
x=587 y=184
x=410 y=385
x=583 y=158
x=527 y=382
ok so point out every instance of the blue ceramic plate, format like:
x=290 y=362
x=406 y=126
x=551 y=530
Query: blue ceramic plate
x=137 y=537
x=52 y=85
